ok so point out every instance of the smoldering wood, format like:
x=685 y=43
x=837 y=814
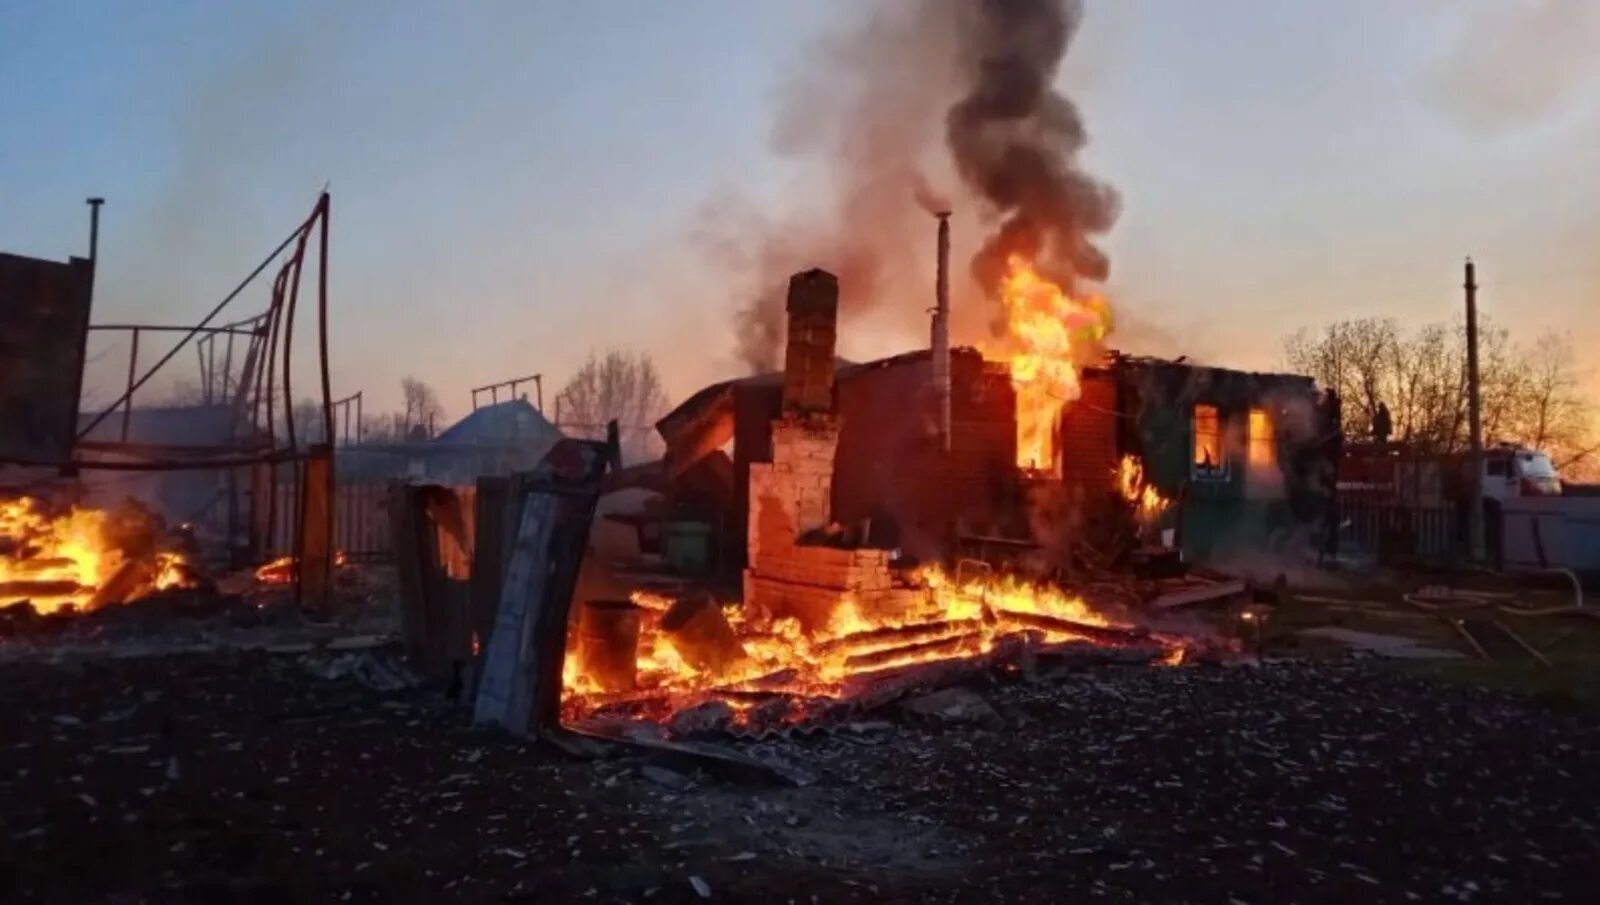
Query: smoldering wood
x=932 y=650
x=902 y=634
x=25 y=589
x=700 y=633
x=608 y=642
x=35 y=565
x=1098 y=633
x=131 y=577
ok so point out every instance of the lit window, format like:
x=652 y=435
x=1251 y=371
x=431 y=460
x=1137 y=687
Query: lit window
x=1263 y=444
x=1207 y=441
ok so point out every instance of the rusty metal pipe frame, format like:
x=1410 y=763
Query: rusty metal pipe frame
x=940 y=339
x=169 y=328
x=268 y=325
x=205 y=321
x=493 y=389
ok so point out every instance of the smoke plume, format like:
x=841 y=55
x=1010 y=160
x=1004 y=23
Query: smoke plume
x=1516 y=64
x=861 y=117
x=1015 y=141
x=907 y=104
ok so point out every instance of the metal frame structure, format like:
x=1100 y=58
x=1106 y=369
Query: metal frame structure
x=254 y=396
x=493 y=389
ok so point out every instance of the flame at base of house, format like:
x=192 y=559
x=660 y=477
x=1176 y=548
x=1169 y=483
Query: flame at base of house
x=660 y=656
x=60 y=556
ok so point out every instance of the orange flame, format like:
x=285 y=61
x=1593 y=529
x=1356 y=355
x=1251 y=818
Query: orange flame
x=1148 y=503
x=946 y=618
x=59 y=560
x=1049 y=334
x=282 y=570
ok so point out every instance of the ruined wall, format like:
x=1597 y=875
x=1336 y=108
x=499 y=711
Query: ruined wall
x=1089 y=436
x=891 y=469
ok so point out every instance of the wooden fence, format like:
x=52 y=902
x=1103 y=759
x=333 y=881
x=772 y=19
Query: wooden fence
x=1390 y=532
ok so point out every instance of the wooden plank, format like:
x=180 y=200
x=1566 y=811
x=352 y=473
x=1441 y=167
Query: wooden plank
x=569 y=542
x=520 y=686
x=1209 y=593
x=262 y=488
x=488 y=553
x=406 y=522
x=505 y=689
x=314 y=577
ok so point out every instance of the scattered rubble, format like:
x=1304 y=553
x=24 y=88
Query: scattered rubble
x=1399 y=647
x=240 y=775
x=954 y=705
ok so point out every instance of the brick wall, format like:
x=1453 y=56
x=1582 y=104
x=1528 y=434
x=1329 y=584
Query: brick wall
x=790 y=496
x=808 y=364
x=890 y=463
x=1089 y=436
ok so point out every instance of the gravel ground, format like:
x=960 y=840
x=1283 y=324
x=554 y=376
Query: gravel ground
x=240 y=776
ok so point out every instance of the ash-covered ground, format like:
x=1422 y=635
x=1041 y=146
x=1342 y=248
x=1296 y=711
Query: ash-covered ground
x=246 y=776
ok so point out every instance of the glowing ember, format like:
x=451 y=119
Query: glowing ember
x=1049 y=334
x=81 y=557
x=1148 y=503
x=945 y=619
x=282 y=570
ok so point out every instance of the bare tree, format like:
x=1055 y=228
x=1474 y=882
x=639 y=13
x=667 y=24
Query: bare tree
x=1530 y=393
x=1551 y=411
x=184 y=392
x=621 y=386
x=382 y=428
x=423 y=409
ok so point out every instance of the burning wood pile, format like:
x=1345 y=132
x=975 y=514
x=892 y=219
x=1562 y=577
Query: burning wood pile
x=696 y=666
x=64 y=558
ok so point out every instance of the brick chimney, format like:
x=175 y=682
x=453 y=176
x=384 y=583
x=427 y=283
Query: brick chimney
x=808 y=360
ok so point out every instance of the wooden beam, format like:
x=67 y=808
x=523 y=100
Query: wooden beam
x=314 y=581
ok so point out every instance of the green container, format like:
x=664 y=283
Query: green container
x=688 y=547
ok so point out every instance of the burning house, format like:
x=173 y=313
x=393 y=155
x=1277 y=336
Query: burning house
x=1211 y=460
x=838 y=464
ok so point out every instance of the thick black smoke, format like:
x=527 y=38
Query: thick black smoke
x=908 y=99
x=1015 y=140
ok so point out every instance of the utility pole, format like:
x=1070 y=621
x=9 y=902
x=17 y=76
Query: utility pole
x=1474 y=422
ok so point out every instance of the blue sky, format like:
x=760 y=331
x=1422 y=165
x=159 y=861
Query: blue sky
x=513 y=182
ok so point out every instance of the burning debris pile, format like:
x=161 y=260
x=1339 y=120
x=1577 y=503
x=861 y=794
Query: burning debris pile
x=63 y=558
x=691 y=662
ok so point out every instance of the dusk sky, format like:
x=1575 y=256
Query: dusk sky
x=515 y=184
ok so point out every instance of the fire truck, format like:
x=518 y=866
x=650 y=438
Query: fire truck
x=1392 y=474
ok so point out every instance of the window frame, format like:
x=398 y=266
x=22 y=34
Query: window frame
x=1197 y=471
x=1270 y=440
